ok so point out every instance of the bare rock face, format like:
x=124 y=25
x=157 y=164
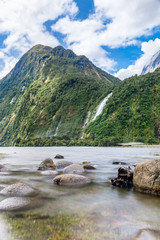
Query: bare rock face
x=71 y=180
x=146 y=177
x=74 y=168
x=62 y=164
x=47 y=164
x=18 y=189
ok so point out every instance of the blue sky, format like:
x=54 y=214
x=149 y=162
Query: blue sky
x=119 y=36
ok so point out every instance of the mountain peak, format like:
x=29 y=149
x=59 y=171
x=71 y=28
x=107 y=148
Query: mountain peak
x=153 y=64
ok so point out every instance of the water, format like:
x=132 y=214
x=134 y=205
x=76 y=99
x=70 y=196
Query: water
x=96 y=211
x=101 y=106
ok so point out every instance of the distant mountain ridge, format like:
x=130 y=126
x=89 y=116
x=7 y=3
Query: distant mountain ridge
x=50 y=92
x=152 y=65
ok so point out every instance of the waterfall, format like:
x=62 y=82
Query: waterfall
x=101 y=106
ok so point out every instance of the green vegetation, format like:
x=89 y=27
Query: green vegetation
x=50 y=92
x=60 y=227
x=131 y=114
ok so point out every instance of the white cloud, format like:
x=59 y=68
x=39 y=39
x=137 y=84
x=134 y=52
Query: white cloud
x=149 y=49
x=23 y=22
x=116 y=23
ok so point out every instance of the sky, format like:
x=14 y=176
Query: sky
x=119 y=36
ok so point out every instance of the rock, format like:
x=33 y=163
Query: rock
x=14 y=203
x=124 y=178
x=1 y=166
x=85 y=162
x=146 y=177
x=18 y=189
x=71 y=180
x=74 y=168
x=49 y=173
x=59 y=156
x=47 y=164
x=89 y=167
x=62 y=164
x=148 y=234
x=119 y=163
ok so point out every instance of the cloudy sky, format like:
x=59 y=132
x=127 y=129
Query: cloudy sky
x=119 y=36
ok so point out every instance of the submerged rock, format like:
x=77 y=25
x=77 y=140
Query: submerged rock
x=62 y=164
x=14 y=203
x=74 y=168
x=148 y=234
x=124 y=178
x=49 y=173
x=71 y=180
x=59 y=156
x=47 y=164
x=146 y=177
x=119 y=163
x=89 y=167
x=18 y=189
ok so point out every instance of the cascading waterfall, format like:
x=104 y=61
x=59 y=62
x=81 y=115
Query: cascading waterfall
x=101 y=106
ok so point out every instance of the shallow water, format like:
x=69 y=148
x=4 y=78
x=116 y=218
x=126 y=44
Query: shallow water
x=96 y=211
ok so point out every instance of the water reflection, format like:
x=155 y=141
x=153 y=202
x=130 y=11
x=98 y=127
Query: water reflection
x=96 y=211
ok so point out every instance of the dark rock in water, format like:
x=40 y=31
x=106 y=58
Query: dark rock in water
x=18 y=189
x=124 y=178
x=71 y=180
x=89 y=167
x=59 y=156
x=62 y=164
x=146 y=177
x=47 y=164
x=119 y=163
x=14 y=203
x=148 y=234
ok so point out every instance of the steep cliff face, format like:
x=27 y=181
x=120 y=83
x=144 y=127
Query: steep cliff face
x=132 y=113
x=49 y=92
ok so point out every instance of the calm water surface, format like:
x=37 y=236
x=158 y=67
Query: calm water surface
x=96 y=211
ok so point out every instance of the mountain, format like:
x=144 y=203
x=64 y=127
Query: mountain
x=50 y=92
x=153 y=64
x=131 y=114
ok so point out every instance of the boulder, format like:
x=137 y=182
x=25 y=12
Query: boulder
x=59 y=156
x=62 y=164
x=124 y=178
x=71 y=180
x=89 y=167
x=74 y=168
x=146 y=177
x=17 y=189
x=14 y=203
x=47 y=164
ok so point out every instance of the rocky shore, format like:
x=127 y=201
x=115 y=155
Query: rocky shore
x=144 y=178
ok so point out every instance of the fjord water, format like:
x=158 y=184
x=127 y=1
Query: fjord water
x=96 y=211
